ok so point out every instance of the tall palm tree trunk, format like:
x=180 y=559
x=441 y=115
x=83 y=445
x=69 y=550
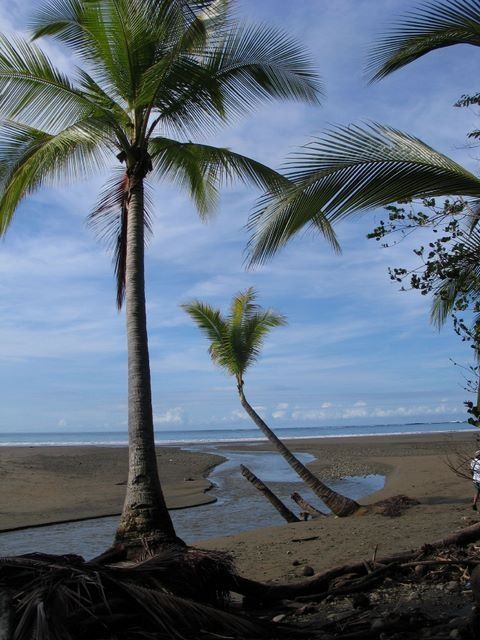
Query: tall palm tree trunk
x=145 y=515
x=340 y=505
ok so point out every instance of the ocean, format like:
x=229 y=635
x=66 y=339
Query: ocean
x=183 y=436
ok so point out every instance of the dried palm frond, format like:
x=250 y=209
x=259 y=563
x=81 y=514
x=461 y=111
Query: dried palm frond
x=66 y=598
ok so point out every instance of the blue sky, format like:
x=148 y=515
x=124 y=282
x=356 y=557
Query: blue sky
x=355 y=351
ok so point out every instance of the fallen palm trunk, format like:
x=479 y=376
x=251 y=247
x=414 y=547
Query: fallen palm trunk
x=319 y=583
x=306 y=506
x=339 y=504
x=283 y=510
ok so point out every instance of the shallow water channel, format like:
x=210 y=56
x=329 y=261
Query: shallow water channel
x=239 y=507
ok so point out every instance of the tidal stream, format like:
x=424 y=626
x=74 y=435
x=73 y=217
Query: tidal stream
x=239 y=507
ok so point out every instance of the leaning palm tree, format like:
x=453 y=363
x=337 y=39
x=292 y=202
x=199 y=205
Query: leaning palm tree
x=151 y=74
x=353 y=168
x=235 y=343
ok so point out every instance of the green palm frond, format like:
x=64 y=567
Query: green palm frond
x=116 y=37
x=243 y=307
x=185 y=164
x=463 y=278
x=255 y=330
x=248 y=66
x=32 y=90
x=30 y=158
x=203 y=170
x=263 y=62
x=235 y=340
x=216 y=329
x=431 y=26
x=349 y=170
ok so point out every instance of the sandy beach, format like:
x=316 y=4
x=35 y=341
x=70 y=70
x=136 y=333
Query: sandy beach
x=47 y=484
x=55 y=484
x=415 y=465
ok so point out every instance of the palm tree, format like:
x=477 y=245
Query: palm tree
x=355 y=168
x=148 y=69
x=235 y=343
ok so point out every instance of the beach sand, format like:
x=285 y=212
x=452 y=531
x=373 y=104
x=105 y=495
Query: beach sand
x=62 y=483
x=55 y=484
x=414 y=465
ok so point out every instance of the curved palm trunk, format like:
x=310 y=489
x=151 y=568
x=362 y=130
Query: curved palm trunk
x=145 y=518
x=340 y=505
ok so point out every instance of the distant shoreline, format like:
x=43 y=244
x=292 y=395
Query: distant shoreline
x=215 y=437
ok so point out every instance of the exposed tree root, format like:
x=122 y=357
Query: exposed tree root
x=319 y=583
x=183 y=594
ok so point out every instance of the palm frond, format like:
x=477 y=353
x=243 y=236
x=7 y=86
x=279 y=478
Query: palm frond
x=349 y=170
x=216 y=329
x=30 y=158
x=109 y=219
x=185 y=164
x=203 y=169
x=243 y=306
x=443 y=302
x=249 y=65
x=255 y=330
x=107 y=34
x=32 y=90
x=65 y=598
x=460 y=280
x=431 y=26
x=235 y=340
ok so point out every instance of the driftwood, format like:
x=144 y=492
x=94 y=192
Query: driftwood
x=318 y=584
x=283 y=510
x=306 y=506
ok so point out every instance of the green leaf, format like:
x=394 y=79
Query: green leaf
x=246 y=66
x=432 y=26
x=235 y=340
x=202 y=170
x=349 y=170
x=30 y=158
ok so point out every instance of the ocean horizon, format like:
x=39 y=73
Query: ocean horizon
x=198 y=436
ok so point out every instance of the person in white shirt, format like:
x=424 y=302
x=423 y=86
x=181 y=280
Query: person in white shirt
x=475 y=469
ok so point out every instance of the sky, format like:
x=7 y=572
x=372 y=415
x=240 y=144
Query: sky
x=356 y=350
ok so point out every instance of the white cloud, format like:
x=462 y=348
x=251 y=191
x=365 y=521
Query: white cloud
x=280 y=411
x=171 y=416
x=308 y=414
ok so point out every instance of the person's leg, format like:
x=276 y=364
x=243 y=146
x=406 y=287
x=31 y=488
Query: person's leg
x=476 y=496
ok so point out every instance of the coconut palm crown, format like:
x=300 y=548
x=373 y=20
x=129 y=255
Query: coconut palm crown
x=353 y=168
x=235 y=339
x=235 y=343
x=148 y=76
